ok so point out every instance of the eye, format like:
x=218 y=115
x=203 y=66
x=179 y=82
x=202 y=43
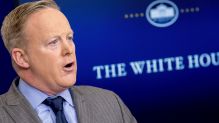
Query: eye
x=53 y=42
x=70 y=38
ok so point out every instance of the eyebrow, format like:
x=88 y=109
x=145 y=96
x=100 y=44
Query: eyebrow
x=71 y=32
x=58 y=36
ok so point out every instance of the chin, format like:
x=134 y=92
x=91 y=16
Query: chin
x=68 y=82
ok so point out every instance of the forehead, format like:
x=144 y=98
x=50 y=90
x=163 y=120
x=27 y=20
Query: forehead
x=47 y=20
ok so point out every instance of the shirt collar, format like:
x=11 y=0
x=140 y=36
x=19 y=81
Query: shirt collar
x=36 y=97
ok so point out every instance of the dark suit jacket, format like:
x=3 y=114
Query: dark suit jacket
x=93 y=105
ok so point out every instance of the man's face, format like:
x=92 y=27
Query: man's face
x=50 y=51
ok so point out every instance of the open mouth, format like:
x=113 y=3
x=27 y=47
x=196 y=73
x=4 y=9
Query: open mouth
x=69 y=67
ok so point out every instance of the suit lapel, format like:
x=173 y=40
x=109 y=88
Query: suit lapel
x=83 y=110
x=18 y=107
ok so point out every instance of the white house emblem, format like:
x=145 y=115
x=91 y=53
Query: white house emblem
x=162 y=13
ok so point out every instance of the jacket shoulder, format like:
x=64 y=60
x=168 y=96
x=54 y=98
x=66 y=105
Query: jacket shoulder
x=95 y=95
x=2 y=100
x=105 y=103
x=91 y=90
x=4 y=117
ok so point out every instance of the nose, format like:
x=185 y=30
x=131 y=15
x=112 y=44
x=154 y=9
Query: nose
x=68 y=48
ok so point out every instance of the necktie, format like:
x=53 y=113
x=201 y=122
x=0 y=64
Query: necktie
x=56 y=105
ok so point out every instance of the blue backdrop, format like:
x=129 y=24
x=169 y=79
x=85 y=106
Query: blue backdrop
x=164 y=74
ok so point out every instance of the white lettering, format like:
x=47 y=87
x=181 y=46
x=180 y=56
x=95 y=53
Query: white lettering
x=215 y=58
x=160 y=61
x=169 y=63
x=205 y=60
x=157 y=65
x=110 y=71
x=151 y=66
x=121 y=69
x=98 y=69
x=193 y=61
x=137 y=67
x=179 y=63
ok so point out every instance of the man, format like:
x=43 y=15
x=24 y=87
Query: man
x=40 y=41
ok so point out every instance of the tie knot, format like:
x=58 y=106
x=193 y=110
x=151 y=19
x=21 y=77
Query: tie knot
x=55 y=103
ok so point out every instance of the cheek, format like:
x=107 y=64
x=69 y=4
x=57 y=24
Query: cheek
x=45 y=60
x=52 y=63
x=50 y=69
x=44 y=63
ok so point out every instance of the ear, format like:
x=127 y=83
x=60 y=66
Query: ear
x=20 y=58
